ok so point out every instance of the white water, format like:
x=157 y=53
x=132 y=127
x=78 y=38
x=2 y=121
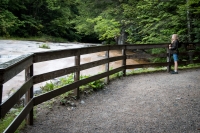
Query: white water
x=10 y=49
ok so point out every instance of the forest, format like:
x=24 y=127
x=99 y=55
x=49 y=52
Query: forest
x=110 y=21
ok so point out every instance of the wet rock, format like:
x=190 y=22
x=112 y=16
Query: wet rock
x=175 y=104
x=74 y=97
x=55 y=81
x=70 y=108
x=13 y=110
x=178 y=98
x=37 y=91
x=70 y=103
x=21 y=102
x=82 y=102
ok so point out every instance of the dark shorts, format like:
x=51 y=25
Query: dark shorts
x=175 y=57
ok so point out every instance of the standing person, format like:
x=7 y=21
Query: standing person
x=174 y=50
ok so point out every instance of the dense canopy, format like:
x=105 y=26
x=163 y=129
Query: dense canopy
x=134 y=21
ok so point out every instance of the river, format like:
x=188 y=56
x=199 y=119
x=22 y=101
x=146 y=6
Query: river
x=10 y=49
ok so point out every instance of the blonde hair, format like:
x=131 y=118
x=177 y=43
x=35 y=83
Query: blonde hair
x=174 y=37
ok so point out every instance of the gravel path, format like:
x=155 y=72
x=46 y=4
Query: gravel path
x=146 y=103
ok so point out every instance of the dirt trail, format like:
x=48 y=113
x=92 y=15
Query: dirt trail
x=146 y=103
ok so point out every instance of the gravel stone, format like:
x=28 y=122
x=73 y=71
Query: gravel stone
x=145 y=103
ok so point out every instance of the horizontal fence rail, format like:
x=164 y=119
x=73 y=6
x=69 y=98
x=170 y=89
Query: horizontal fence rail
x=65 y=71
x=47 y=96
x=9 y=103
x=10 y=69
x=18 y=120
x=13 y=67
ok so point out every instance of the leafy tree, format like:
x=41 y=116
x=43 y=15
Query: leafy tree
x=34 y=18
x=193 y=12
x=105 y=28
x=142 y=21
x=154 y=21
x=59 y=19
x=102 y=18
x=8 y=21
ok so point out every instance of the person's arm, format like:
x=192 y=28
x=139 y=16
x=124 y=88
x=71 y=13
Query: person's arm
x=174 y=45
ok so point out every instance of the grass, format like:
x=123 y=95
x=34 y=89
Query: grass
x=158 y=69
x=43 y=38
x=10 y=116
x=189 y=66
x=90 y=87
x=45 y=46
x=5 y=122
x=146 y=70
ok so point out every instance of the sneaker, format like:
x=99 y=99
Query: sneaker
x=173 y=72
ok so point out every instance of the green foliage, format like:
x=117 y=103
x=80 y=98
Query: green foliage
x=157 y=51
x=146 y=70
x=143 y=21
x=31 y=23
x=116 y=75
x=5 y=122
x=105 y=28
x=48 y=87
x=190 y=66
x=35 y=18
x=94 y=85
x=67 y=80
x=65 y=95
x=43 y=38
x=8 y=23
x=53 y=4
x=45 y=46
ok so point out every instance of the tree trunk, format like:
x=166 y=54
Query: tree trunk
x=188 y=22
x=122 y=38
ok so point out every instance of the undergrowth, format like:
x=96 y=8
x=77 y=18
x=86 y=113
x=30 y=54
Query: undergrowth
x=42 y=38
x=63 y=81
x=99 y=84
x=10 y=116
x=4 y=122
x=45 y=46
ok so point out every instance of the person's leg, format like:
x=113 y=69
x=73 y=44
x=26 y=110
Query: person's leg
x=175 y=66
x=175 y=57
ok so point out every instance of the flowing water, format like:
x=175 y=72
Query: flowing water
x=10 y=49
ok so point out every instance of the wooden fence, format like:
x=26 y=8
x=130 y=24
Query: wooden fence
x=25 y=62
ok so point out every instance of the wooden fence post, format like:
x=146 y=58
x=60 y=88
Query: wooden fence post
x=1 y=89
x=168 y=60
x=190 y=53
x=77 y=74
x=1 y=95
x=107 y=66
x=124 y=60
x=29 y=94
